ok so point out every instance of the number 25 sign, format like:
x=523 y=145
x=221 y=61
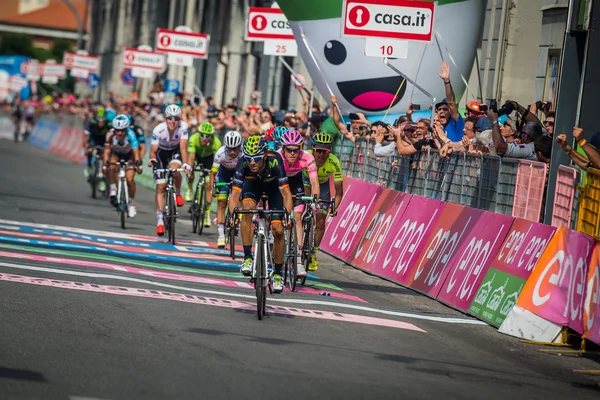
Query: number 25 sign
x=284 y=48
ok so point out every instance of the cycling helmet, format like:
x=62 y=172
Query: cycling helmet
x=321 y=139
x=100 y=114
x=255 y=146
x=278 y=133
x=120 y=122
x=173 y=110
x=130 y=118
x=269 y=134
x=292 y=138
x=233 y=139
x=206 y=128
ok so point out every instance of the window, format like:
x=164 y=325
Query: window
x=551 y=83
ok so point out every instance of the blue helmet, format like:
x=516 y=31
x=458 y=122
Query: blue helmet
x=110 y=114
x=130 y=119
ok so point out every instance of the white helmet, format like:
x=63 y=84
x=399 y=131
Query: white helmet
x=233 y=139
x=120 y=122
x=173 y=110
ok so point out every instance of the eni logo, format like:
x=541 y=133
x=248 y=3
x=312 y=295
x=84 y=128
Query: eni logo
x=273 y=163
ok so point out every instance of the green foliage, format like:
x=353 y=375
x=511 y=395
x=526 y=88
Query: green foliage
x=60 y=47
x=16 y=44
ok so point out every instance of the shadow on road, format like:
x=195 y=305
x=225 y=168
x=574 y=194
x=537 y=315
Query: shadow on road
x=21 y=374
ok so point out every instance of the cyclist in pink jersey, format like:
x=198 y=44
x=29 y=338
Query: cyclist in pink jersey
x=295 y=160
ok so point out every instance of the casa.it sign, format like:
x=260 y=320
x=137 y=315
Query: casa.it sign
x=79 y=61
x=133 y=58
x=392 y=19
x=191 y=44
x=265 y=23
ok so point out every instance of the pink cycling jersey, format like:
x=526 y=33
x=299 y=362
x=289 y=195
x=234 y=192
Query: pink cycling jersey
x=305 y=161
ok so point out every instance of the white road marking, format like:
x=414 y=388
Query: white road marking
x=447 y=320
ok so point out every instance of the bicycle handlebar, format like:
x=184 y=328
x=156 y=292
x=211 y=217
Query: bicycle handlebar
x=206 y=171
x=169 y=170
x=222 y=184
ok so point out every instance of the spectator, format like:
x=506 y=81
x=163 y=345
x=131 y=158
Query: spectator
x=266 y=120
x=549 y=122
x=385 y=140
x=509 y=130
x=447 y=110
x=531 y=132
x=577 y=158
x=589 y=148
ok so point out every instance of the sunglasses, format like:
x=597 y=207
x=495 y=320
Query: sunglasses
x=120 y=130
x=291 y=150
x=203 y=136
x=255 y=159
x=173 y=118
x=551 y=123
x=322 y=151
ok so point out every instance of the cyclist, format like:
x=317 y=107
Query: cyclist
x=327 y=165
x=167 y=150
x=260 y=171
x=223 y=169
x=122 y=144
x=95 y=135
x=278 y=134
x=295 y=161
x=139 y=133
x=202 y=148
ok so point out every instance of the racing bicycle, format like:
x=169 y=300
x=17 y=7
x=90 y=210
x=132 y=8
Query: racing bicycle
x=198 y=207
x=262 y=264
x=96 y=178
x=170 y=209
x=122 y=192
x=230 y=233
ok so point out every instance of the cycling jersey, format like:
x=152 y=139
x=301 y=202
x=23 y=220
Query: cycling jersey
x=97 y=134
x=332 y=166
x=273 y=170
x=162 y=138
x=121 y=145
x=304 y=161
x=196 y=147
x=139 y=133
x=222 y=159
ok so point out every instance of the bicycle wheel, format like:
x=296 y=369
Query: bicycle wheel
x=193 y=216
x=292 y=259
x=94 y=179
x=259 y=275
x=172 y=213
x=166 y=214
x=122 y=202
x=202 y=207
x=307 y=245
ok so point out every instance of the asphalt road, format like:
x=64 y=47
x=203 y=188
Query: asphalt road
x=89 y=311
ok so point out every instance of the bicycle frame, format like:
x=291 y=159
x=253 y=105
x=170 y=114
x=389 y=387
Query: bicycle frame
x=170 y=209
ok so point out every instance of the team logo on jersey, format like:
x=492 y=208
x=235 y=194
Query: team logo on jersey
x=154 y=137
x=273 y=163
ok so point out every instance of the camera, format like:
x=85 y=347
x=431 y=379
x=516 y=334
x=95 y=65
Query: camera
x=416 y=107
x=506 y=109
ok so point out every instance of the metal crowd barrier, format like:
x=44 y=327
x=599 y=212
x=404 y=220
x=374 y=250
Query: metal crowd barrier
x=504 y=185
x=589 y=204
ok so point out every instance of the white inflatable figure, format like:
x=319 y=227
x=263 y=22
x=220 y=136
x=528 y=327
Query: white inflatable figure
x=365 y=84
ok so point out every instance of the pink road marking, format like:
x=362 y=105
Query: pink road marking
x=211 y=301
x=133 y=249
x=158 y=274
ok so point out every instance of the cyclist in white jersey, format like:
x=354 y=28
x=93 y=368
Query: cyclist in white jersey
x=167 y=149
x=223 y=169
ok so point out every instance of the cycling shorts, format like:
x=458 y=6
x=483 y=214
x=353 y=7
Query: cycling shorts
x=164 y=158
x=205 y=162
x=297 y=189
x=224 y=175
x=94 y=141
x=254 y=189
x=325 y=196
x=128 y=156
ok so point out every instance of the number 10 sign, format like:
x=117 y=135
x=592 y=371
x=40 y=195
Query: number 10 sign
x=392 y=48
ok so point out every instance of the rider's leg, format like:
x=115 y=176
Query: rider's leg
x=246 y=226
x=320 y=228
x=160 y=201
x=113 y=170
x=221 y=206
x=130 y=177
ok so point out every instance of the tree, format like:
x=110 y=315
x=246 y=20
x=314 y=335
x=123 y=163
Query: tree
x=60 y=47
x=19 y=44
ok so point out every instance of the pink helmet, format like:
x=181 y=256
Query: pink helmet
x=292 y=138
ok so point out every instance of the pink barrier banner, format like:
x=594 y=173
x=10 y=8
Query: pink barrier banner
x=472 y=259
x=387 y=212
x=556 y=288
x=453 y=226
x=523 y=247
x=68 y=143
x=397 y=251
x=343 y=232
x=591 y=314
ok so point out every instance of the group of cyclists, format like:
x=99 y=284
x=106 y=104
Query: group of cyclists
x=274 y=166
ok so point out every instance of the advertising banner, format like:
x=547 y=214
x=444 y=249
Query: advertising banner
x=396 y=250
x=556 y=288
x=591 y=314
x=518 y=255
x=343 y=232
x=453 y=226
x=473 y=258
